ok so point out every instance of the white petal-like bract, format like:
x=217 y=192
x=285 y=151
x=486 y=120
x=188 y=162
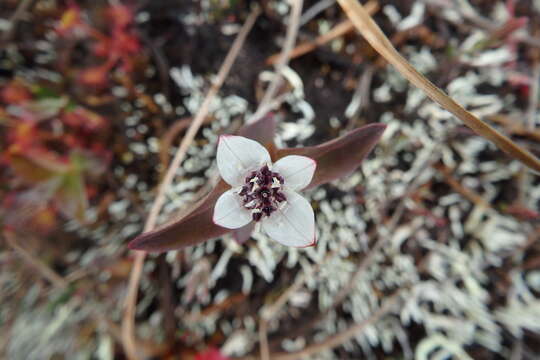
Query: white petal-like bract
x=229 y=212
x=265 y=193
x=294 y=224
x=237 y=155
x=296 y=170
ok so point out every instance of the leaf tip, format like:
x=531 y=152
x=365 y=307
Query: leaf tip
x=378 y=127
x=137 y=244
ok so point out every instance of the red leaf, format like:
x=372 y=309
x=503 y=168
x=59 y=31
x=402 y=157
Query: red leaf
x=29 y=210
x=97 y=76
x=56 y=178
x=15 y=93
x=210 y=354
x=121 y=15
x=81 y=117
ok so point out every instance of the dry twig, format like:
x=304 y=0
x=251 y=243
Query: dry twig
x=22 y=8
x=36 y=263
x=290 y=39
x=533 y=97
x=376 y=38
x=221 y=306
x=268 y=312
x=465 y=192
x=128 y=321
x=515 y=127
x=340 y=29
x=344 y=336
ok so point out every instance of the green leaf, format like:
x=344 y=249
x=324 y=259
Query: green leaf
x=70 y=197
x=41 y=92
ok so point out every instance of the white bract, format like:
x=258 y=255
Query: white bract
x=265 y=192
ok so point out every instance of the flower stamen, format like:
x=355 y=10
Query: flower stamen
x=262 y=192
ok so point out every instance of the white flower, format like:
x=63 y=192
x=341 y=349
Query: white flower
x=265 y=192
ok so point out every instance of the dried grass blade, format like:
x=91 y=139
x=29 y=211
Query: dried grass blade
x=376 y=38
x=128 y=320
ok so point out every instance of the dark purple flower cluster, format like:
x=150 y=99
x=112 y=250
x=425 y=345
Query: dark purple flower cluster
x=262 y=192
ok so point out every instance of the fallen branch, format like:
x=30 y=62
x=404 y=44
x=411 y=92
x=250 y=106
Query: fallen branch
x=290 y=39
x=42 y=268
x=344 y=336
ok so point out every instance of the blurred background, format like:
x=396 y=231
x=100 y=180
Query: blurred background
x=428 y=251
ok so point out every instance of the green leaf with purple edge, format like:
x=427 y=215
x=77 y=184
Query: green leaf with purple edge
x=335 y=159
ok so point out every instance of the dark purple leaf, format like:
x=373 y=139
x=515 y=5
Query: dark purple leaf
x=263 y=130
x=192 y=229
x=339 y=157
x=71 y=197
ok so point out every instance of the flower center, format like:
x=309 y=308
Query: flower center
x=262 y=193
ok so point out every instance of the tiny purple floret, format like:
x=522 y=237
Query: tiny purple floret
x=262 y=192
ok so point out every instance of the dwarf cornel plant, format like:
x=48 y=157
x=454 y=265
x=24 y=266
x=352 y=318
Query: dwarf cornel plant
x=242 y=188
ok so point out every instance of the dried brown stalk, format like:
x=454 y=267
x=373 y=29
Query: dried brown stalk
x=22 y=8
x=344 y=336
x=42 y=268
x=290 y=39
x=515 y=127
x=376 y=38
x=337 y=339
x=219 y=307
x=340 y=29
x=465 y=192
x=59 y=282
x=269 y=312
x=128 y=321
